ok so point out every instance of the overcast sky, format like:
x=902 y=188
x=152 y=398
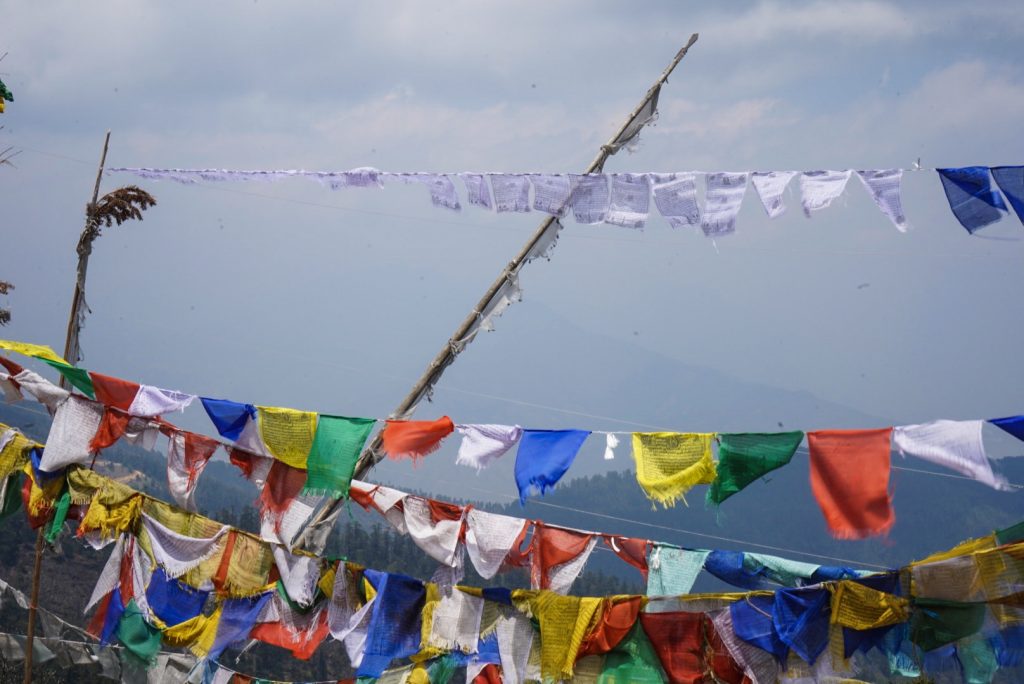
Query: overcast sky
x=291 y=294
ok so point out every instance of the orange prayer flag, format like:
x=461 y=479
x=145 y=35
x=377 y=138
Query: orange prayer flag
x=415 y=438
x=850 y=480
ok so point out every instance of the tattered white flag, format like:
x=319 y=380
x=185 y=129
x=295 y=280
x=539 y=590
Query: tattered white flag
x=722 y=201
x=770 y=185
x=675 y=196
x=884 y=188
x=819 y=188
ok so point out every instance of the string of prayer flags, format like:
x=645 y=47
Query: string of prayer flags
x=1011 y=182
x=819 y=188
x=287 y=433
x=1011 y=424
x=669 y=464
x=415 y=438
x=884 y=188
x=953 y=444
x=483 y=444
x=334 y=453
x=972 y=199
x=744 y=457
x=850 y=480
x=543 y=458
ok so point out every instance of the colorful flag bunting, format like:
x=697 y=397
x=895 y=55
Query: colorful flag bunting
x=744 y=457
x=669 y=464
x=850 y=480
x=543 y=458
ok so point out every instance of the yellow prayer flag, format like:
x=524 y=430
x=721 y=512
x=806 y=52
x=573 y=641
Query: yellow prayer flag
x=860 y=607
x=669 y=464
x=39 y=351
x=287 y=433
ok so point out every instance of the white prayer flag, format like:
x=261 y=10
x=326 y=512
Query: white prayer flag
x=770 y=185
x=722 y=201
x=954 y=444
x=884 y=188
x=819 y=188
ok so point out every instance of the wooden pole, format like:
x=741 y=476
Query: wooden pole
x=444 y=358
x=71 y=355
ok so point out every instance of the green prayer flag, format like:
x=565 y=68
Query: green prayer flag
x=79 y=377
x=12 y=496
x=936 y=622
x=632 y=661
x=978 y=660
x=744 y=457
x=140 y=639
x=1010 y=535
x=332 y=458
x=441 y=670
x=60 y=514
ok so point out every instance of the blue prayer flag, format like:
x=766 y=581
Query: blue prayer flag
x=172 y=600
x=395 y=621
x=1012 y=424
x=1011 y=182
x=229 y=417
x=237 y=619
x=543 y=458
x=973 y=200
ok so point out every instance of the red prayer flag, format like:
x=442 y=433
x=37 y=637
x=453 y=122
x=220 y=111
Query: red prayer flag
x=617 y=618
x=491 y=674
x=112 y=428
x=850 y=480
x=12 y=368
x=678 y=639
x=552 y=546
x=633 y=551
x=415 y=438
x=198 y=450
x=114 y=391
x=284 y=483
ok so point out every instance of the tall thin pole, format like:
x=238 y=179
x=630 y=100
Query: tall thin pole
x=71 y=355
x=444 y=358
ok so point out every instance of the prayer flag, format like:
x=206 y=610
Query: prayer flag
x=333 y=455
x=543 y=458
x=237 y=618
x=953 y=444
x=511 y=192
x=140 y=639
x=801 y=619
x=153 y=401
x=482 y=444
x=884 y=188
x=770 y=185
x=675 y=196
x=78 y=377
x=673 y=571
x=287 y=433
x=972 y=199
x=629 y=201
x=415 y=438
x=557 y=556
x=1012 y=424
x=283 y=484
x=477 y=190
x=819 y=188
x=172 y=600
x=1011 y=182
x=551 y=193
x=229 y=417
x=850 y=480
x=669 y=464
x=722 y=199
x=114 y=391
x=752 y=622
x=744 y=457
x=39 y=351
x=589 y=197
x=395 y=628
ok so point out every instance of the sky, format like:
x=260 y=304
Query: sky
x=292 y=294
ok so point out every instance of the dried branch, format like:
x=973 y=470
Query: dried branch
x=117 y=206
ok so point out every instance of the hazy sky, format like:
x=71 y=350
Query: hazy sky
x=295 y=295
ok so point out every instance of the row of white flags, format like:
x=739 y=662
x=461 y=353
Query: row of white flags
x=620 y=199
